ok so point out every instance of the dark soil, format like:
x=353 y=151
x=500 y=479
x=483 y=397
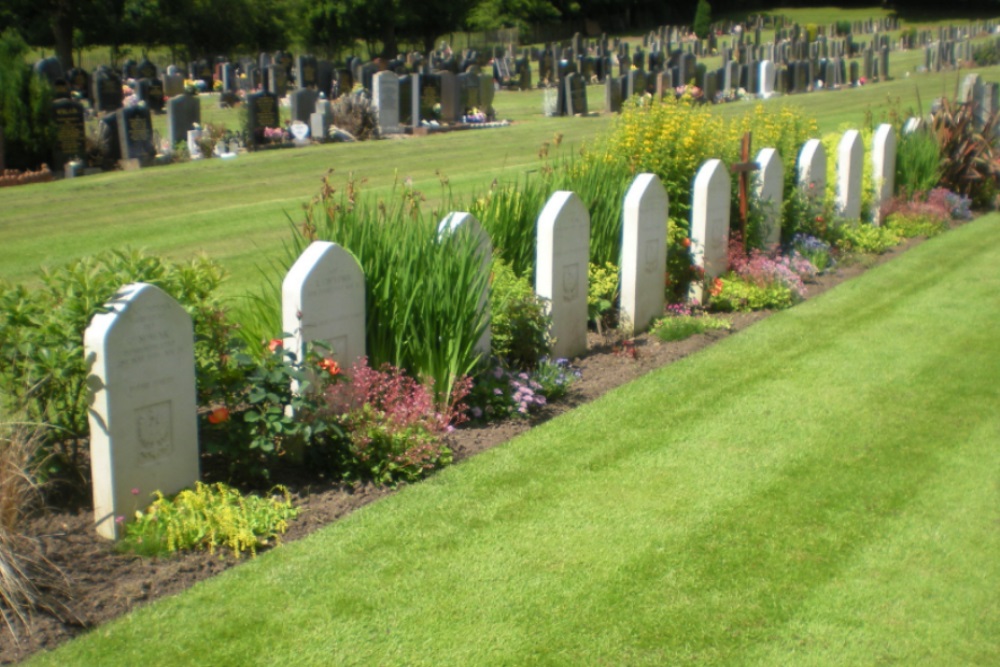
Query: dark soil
x=105 y=584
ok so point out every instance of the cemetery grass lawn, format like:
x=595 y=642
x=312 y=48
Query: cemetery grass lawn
x=820 y=489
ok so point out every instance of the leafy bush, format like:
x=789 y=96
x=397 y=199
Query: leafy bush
x=818 y=252
x=921 y=224
x=393 y=429
x=970 y=164
x=499 y=393
x=209 y=517
x=261 y=419
x=918 y=163
x=843 y=28
x=986 y=54
x=602 y=295
x=509 y=213
x=555 y=378
x=758 y=280
x=520 y=326
x=858 y=237
x=732 y=293
x=42 y=366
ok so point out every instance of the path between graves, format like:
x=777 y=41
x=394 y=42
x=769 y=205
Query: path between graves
x=107 y=584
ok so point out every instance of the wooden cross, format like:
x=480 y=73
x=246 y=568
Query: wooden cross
x=744 y=169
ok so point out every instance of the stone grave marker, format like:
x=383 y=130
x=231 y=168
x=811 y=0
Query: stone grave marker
x=145 y=70
x=455 y=224
x=451 y=100
x=107 y=140
x=151 y=92
x=142 y=404
x=430 y=95
x=173 y=84
x=612 y=94
x=766 y=78
x=277 y=80
x=644 y=252
x=135 y=134
x=468 y=92
x=385 y=99
x=486 y=94
x=770 y=186
x=562 y=258
x=850 y=163
x=79 y=81
x=262 y=112
x=883 y=167
x=710 y=222
x=325 y=77
x=306 y=72
x=183 y=112
x=71 y=132
x=323 y=299
x=812 y=169
x=302 y=103
x=406 y=100
x=576 y=94
x=107 y=93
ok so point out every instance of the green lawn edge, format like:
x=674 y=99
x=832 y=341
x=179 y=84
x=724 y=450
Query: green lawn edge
x=820 y=489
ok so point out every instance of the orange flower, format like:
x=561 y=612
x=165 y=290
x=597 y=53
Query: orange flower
x=330 y=366
x=275 y=344
x=686 y=242
x=218 y=415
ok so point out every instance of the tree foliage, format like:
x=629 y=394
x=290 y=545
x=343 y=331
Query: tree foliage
x=702 y=18
x=25 y=107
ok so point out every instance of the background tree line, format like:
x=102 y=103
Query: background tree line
x=201 y=28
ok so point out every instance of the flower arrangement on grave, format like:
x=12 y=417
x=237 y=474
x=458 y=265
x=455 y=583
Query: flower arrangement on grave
x=474 y=116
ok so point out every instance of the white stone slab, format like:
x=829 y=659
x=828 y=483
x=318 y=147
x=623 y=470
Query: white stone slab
x=385 y=99
x=143 y=409
x=770 y=190
x=883 y=167
x=323 y=299
x=466 y=223
x=850 y=165
x=812 y=169
x=644 y=253
x=562 y=259
x=766 y=78
x=710 y=222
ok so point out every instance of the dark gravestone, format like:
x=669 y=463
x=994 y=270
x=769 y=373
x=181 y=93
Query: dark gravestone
x=145 y=70
x=612 y=94
x=277 y=80
x=430 y=95
x=227 y=73
x=325 y=77
x=183 y=111
x=107 y=140
x=576 y=94
x=306 y=72
x=468 y=92
x=451 y=99
x=203 y=71
x=262 y=112
x=50 y=69
x=135 y=134
x=71 y=132
x=523 y=66
x=406 y=99
x=303 y=103
x=107 y=90
x=855 y=69
x=79 y=81
x=150 y=91
x=367 y=72
x=129 y=69
x=486 y=93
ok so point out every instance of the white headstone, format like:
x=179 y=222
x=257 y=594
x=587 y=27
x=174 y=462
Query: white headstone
x=972 y=89
x=143 y=410
x=710 y=222
x=850 y=164
x=323 y=299
x=770 y=193
x=194 y=150
x=563 y=256
x=883 y=167
x=913 y=123
x=466 y=223
x=766 y=79
x=812 y=169
x=644 y=252
x=385 y=99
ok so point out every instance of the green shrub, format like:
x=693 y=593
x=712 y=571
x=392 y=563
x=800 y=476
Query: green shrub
x=602 y=295
x=520 y=326
x=702 y=20
x=731 y=293
x=986 y=54
x=910 y=226
x=863 y=238
x=29 y=132
x=843 y=28
x=42 y=366
x=918 y=163
x=209 y=517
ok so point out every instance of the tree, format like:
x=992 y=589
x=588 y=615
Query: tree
x=702 y=18
x=25 y=107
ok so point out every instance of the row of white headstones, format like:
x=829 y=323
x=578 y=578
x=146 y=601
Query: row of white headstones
x=140 y=353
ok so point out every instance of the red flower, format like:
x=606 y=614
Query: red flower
x=686 y=242
x=218 y=415
x=330 y=366
x=275 y=344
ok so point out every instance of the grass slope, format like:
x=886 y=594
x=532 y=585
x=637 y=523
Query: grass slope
x=820 y=489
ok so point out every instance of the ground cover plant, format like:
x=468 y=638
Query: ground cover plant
x=861 y=522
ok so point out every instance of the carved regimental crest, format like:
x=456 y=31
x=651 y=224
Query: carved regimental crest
x=155 y=430
x=570 y=279
x=650 y=257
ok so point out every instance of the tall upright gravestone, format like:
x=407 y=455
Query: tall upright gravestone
x=142 y=406
x=135 y=134
x=644 y=252
x=183 y=112
x=323 y=299
x=460 y=226
x=883 y=167
x=262 y=113
x=850 y=164
x=770 y=189
x=710 y=222
x=71 y=132
x=562 y=258
x=385 y=99
x=812 y=169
